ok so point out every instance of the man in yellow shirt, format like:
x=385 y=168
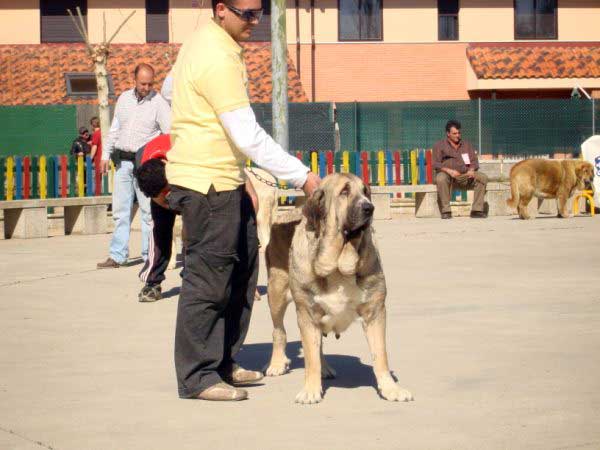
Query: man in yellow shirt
x=213 y=132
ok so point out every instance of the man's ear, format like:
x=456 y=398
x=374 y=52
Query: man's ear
x=314 y=210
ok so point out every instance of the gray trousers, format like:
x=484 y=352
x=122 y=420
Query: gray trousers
x=445 y=184
x=219 y=281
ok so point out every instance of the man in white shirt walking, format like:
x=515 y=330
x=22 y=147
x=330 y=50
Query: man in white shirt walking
x=141 y=114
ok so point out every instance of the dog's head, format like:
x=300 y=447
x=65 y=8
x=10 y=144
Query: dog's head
x=339 y=212
x=342 y=203
x=584 y=172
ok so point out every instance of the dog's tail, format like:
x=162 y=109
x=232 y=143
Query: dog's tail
x=514 y=191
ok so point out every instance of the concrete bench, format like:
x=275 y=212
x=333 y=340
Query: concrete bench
x=29 y=218
x=426 y=205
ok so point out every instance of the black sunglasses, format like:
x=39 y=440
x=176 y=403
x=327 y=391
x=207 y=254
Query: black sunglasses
x=247 y=15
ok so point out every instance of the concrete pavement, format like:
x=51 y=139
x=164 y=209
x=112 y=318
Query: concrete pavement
x=494 y=325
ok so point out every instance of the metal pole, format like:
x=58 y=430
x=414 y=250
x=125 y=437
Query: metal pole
x=593 y=117
x=356 y=149
x=479 y=119
x=279 y=70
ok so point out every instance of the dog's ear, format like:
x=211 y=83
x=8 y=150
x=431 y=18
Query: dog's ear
x=314 y=210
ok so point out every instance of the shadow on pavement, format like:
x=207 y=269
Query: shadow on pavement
x=351 y=372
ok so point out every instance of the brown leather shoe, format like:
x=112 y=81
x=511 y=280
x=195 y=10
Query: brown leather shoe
x=478 y=215
x=222 y=392
x=241 y=376
x=108 y=264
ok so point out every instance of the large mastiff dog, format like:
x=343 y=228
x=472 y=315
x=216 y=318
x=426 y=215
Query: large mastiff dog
x=548 y=179
x=327 y=259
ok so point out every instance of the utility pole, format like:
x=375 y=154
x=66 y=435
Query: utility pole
x=279 y=71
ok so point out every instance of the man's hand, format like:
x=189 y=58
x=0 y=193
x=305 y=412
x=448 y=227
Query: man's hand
x=453 y=173
x=471 y=173
x=311 y=184
x=105 y=166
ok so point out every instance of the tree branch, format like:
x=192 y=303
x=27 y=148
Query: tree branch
x=81 y=32
x=120 y=26
x=83 y=27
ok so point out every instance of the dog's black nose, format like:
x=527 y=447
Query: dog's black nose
x=367 y=208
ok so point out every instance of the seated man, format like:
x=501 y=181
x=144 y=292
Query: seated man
x=150 y=175
x=456 y=165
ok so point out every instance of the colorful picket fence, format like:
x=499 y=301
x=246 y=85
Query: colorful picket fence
x=62 y=176
x=65 y=176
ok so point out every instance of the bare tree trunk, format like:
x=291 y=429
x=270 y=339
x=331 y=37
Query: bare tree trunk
x=102 y=84
x=99 y=54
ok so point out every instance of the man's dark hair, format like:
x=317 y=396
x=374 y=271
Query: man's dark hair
x=214 y=5
x=83 y=130
x=141 y=66
x=452 y=124
x=95 y=122
x=151 y=177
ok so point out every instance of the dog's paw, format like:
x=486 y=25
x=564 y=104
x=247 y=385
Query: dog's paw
x=276 y=369
x=394 y=393
x=309 y=396
x=327 y=372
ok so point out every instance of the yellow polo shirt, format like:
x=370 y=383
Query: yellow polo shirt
x=209 y=78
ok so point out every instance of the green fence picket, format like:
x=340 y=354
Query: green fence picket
x=35 y=177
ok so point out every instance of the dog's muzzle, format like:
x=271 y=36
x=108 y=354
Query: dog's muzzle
x=361 y=219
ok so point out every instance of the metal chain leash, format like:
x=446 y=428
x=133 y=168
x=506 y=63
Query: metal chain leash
x=268 y=182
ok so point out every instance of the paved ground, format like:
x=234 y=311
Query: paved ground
x=493 y=324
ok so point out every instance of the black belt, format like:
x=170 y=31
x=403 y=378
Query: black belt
x=125 y=156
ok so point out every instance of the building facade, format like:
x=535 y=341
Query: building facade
x=339 y=50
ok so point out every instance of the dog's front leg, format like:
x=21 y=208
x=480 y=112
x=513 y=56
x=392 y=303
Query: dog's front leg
x=562 y=200
x=311 y=344
x=374 y=318
x=276 y=290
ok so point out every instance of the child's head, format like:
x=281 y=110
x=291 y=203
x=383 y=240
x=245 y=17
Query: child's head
x=151 y=177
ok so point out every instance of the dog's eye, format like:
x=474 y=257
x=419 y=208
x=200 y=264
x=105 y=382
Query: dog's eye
x=346 y=190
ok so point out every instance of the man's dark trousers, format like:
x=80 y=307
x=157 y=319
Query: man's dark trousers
x=219 y=281
x=160 y=246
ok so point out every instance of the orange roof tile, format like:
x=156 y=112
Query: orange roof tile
x=533 y=60
x=34 y=74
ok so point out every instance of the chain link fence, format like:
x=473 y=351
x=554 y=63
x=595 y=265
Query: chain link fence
x=507 y=127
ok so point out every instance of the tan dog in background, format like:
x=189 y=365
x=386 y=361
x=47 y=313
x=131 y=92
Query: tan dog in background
x=327 y=259
x=548 y=179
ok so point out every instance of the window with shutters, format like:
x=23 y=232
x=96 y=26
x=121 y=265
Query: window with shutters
x=448 y=20
x=83 y=84
x=262 y=31
x=56 y=24
x=536 y=19
x=157 y=20
x=360 y=20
